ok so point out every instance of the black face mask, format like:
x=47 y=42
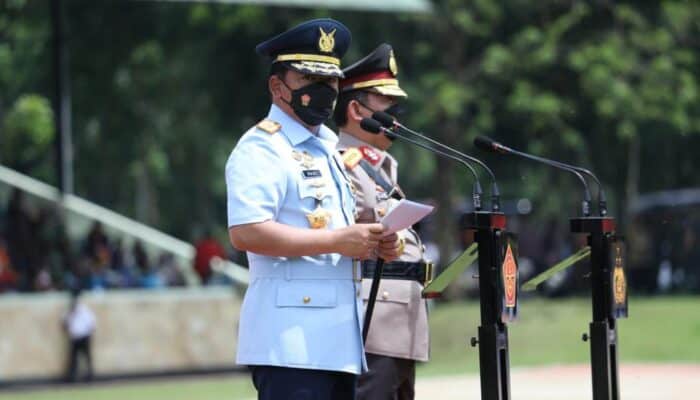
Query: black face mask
x=395 y=111
x=313 y=103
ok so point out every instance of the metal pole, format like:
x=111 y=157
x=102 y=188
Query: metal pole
x=62 y=101
x=494 y=363
x=603 y=328
x=376 y=279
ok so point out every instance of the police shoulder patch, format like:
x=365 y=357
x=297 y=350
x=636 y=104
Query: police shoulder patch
x=351 y=157
x=370 y=155
x=269 y=126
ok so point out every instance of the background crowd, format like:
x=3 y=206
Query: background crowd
x=37 y=254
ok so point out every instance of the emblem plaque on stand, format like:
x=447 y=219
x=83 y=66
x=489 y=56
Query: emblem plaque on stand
x=508 y=285
x=618 y=255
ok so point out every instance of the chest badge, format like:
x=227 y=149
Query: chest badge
x=307 y=160
x=319 y=218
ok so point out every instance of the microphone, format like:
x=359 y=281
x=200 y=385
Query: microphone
x=372 y=126
x=491 y=145
x=488 y=144
x=389 y=121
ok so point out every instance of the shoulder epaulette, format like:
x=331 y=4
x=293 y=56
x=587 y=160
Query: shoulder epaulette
x=370 y=155
x=269 y=126
x=351 y=157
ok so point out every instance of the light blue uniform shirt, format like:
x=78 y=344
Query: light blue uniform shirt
x=300 y=312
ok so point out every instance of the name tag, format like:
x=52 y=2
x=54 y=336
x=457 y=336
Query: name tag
x=311 y=173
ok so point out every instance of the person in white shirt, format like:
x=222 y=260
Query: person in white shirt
x=79 y=324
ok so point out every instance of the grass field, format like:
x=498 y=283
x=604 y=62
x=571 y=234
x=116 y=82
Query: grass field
x=549 y=332
x=660 y=329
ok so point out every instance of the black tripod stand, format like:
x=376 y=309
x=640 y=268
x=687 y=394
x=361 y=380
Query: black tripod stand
x=498 y=298
x=609 y=301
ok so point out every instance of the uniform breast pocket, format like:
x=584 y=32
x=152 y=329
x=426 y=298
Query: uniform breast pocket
x=321 y=294
x=389 y=292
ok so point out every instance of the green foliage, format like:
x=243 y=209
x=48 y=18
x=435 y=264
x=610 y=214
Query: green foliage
x=162 y=91
x=28 y=130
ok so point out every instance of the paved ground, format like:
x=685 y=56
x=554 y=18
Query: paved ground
x=638 y=382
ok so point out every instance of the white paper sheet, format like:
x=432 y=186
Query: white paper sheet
x=404 y=215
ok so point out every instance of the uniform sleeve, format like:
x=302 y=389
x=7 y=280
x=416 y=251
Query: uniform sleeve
x=364 y=202
x=255 y=181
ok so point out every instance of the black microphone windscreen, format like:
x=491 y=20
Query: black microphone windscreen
x=384 y=118
x=484 y=143
x=370 y=125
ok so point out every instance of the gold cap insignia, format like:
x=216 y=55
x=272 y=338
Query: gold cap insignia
x=326 y=42
x=392 y=64
x=319 y=218
x=269 y=126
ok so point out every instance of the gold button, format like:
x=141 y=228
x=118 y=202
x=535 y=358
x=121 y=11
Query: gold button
x=307 y=299
x=385 y=295
x=319 y=195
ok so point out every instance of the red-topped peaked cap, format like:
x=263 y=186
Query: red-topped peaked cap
x=376 y=72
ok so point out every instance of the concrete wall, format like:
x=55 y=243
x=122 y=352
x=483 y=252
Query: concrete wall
x=137 y=331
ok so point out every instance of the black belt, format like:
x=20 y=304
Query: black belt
x=420 y=272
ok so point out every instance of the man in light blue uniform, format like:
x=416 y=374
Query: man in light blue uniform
x=291 y=208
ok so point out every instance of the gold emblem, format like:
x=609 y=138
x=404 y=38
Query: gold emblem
x=510 y=270
x=326 y=42
x=319 y=218
x=307 y=160
x=402 y=246
x=305 y=100
x=392 y=64
x=619 y=281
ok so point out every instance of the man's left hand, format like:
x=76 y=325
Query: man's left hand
x=389 y=248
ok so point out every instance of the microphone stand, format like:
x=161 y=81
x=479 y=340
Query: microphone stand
x=389 y=122
x=497 y=281
x=608 y=281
